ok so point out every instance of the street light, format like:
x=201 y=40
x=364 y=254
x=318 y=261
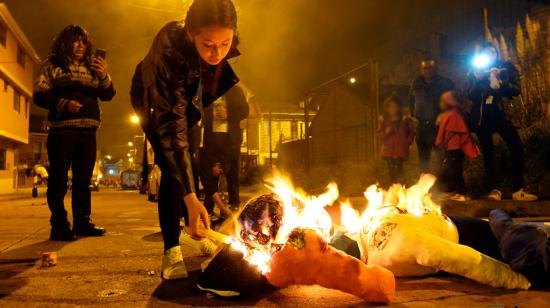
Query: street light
x=131 y=159
x=130 y=144
x=134 y=119
x=129 y=155
x=109 y=157
x=352 y=80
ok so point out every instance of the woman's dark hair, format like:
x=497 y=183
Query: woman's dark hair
x=206 y=13
x=61 y=53
x=395 y=100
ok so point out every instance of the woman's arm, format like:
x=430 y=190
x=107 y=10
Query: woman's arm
x=43 y=95
x=510 y=85
x=106 y=90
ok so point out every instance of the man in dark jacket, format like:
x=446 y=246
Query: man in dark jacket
x=222 y=143
x=424 y=95
x=489 y=88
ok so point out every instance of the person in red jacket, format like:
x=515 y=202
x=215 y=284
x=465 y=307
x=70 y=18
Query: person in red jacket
x=454 y=138
x=397 y=134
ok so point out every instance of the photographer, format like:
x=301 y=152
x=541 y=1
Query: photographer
x=69 y=86
x=492 y=83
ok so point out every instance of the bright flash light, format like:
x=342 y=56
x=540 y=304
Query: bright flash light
x=130 y=144
x=134 y=119
x=481 y=61
x=352 y=80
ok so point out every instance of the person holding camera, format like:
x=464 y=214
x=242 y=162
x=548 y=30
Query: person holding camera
x=491 y=84
x=69 y=85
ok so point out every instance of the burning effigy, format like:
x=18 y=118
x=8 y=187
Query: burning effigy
x=281 y=239
x=403 y=230
x=285 y=236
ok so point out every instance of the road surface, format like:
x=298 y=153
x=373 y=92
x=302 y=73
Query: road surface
x=122 y=268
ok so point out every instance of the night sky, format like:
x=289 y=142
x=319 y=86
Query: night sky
x=288 y=46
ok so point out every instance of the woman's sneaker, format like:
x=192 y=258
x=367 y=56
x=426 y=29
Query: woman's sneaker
x=172 y=264
x=495 y=195
x=521 y=195
x=204 y=247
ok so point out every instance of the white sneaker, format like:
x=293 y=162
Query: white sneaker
x=204 y=247
x=521 y=195
x=495 y=195
x=172 y=264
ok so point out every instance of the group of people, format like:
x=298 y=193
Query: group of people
x=440 y=120
x=184 y=92
x=190 y=107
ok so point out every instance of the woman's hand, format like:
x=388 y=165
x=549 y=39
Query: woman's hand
x=197 y=212
x=101 y=67
x=73 y=106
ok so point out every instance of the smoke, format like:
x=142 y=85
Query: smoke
x=288 y=46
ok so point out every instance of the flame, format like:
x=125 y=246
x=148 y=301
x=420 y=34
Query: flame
x=301 y=210
x=415 y=200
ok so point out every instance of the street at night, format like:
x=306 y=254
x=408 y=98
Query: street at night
x=263 y=153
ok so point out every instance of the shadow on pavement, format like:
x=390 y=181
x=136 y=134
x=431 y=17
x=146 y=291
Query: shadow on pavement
x=15 y=261
x=185 y=292
x=153 y=237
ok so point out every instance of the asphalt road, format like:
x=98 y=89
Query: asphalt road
x=122 y=268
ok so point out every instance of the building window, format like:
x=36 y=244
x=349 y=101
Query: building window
x=3 y=34
x=16 y=101
x=3 y=159
x=21 y=55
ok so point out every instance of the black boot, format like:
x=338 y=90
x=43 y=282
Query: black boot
x=62 y=232
x=88 y=229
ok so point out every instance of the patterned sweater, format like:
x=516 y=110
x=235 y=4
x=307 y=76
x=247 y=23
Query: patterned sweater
x=55 y=87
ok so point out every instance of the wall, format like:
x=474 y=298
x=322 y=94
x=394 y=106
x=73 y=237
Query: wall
x=7 y=175
x=14 y=125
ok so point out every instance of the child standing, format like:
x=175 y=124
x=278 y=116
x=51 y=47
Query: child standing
x=397 y=134
x=454 y=138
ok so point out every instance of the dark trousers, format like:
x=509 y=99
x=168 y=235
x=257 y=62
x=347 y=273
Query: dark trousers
x=219 y=147
x=66 y=148
x=426 y=132
x=511 y=137
x=524 y=246
x=395 y=168
x=171 y=207
x=451 y=178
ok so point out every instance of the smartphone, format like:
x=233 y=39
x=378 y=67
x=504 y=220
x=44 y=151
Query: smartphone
x=101 y=53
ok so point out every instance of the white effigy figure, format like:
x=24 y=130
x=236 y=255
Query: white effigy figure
x=407 y=234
